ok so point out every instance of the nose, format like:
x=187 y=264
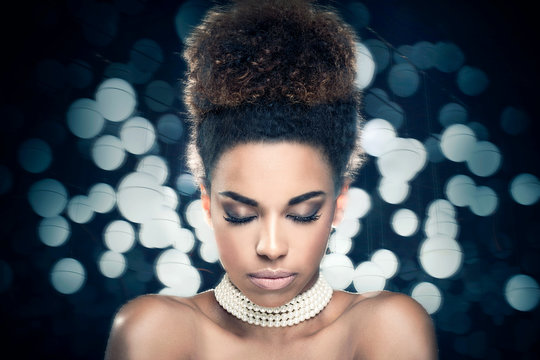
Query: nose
x=272 y=244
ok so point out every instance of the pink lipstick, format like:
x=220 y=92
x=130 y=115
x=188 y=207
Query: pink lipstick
x=272 y=280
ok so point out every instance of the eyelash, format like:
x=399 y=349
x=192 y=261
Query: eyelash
x=295 y=218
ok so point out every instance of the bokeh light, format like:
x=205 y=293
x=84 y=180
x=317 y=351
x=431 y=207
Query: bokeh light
x=368 y=277
x=35 y=155
x=440 y=257
x=67 y=276
x=338 y=270
x=522 y=292
x=84 y=118
x=428 y=295
x=119 y=236
x=54 y=231
x=116 y=99
x=48 y=197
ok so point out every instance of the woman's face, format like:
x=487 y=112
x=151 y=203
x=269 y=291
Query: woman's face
x=272 y=206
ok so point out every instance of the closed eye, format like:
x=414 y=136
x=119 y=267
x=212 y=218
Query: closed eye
x=304 y=219
x=238 y=220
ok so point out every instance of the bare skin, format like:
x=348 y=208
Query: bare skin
x=275 y=233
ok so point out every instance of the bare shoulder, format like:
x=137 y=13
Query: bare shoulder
x=152 y=326
x=396 y=327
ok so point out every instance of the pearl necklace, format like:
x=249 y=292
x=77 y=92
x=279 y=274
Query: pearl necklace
x=302 y=307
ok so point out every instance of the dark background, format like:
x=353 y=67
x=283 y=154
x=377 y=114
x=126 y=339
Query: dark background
x=499 y=37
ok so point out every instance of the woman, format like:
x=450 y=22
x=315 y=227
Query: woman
x=275 y=129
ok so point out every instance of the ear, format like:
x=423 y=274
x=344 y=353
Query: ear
x=341 y=203
x=205 y=202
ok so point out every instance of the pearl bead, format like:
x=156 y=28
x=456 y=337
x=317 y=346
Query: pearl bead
x=302 y=307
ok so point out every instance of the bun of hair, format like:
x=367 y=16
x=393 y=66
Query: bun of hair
x=257 y=51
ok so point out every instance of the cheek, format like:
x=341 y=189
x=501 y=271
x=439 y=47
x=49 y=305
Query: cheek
x=233 y=245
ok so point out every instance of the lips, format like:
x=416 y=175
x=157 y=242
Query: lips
x=272 y=280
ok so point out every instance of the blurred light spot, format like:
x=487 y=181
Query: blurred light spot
x=146 y=55
x=404 y=222
x=380 y=53
x=441 y=225
x=84 y=119
x=170 y=128
x=448 y=57
x=433 y=148
x=102 y=197
x=159 y=96
x=155 y=166
x=440 y=257
x=522 y=292
x=358 y=203
x=68 y=276
x=139 y=196
x=189 y=15
x=35 y=155
x=47 y=197
x=108 y=152
x=54 y=231
x=452 y=113
x=185 y=240
x=161 y=229
x=365 y=66
x=525 y=189
x=112 y=264
x=428 y=295
x=348 y=227
x=138 y=135
x=339 y=244
x=391 y=112
x=119 y=236
x=100 y=23
x=138 y=76
x=387 y=262
x=484 y=202
x=186 y=185
x=458 y=142
x=205 y=233
x=338 y=269
x=402 y=159
x=374 y=100
x=174 y=270
x=119 y=71
x=50 y=75
x=422 y=55
x=79 y=209
x=472 y=81
x=195 y=214
x=170 y=197
x=403 y=79
x=367 y=277
x=480 y=130
x=357 y=14
x=460 y=189
x=441 y=207
x=209 y=251
x=402 y=54
x=116 y=99
x=6 y=276
x=393 y=191
x=80 y=74
x=6 y=179
x=514 y=121
x=376 y=134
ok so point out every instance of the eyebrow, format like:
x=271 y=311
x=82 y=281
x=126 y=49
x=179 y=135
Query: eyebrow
x=295 y=200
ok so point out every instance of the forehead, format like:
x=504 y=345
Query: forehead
x=281 y=169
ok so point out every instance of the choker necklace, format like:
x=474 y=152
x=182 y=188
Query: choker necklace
x=302 y=307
